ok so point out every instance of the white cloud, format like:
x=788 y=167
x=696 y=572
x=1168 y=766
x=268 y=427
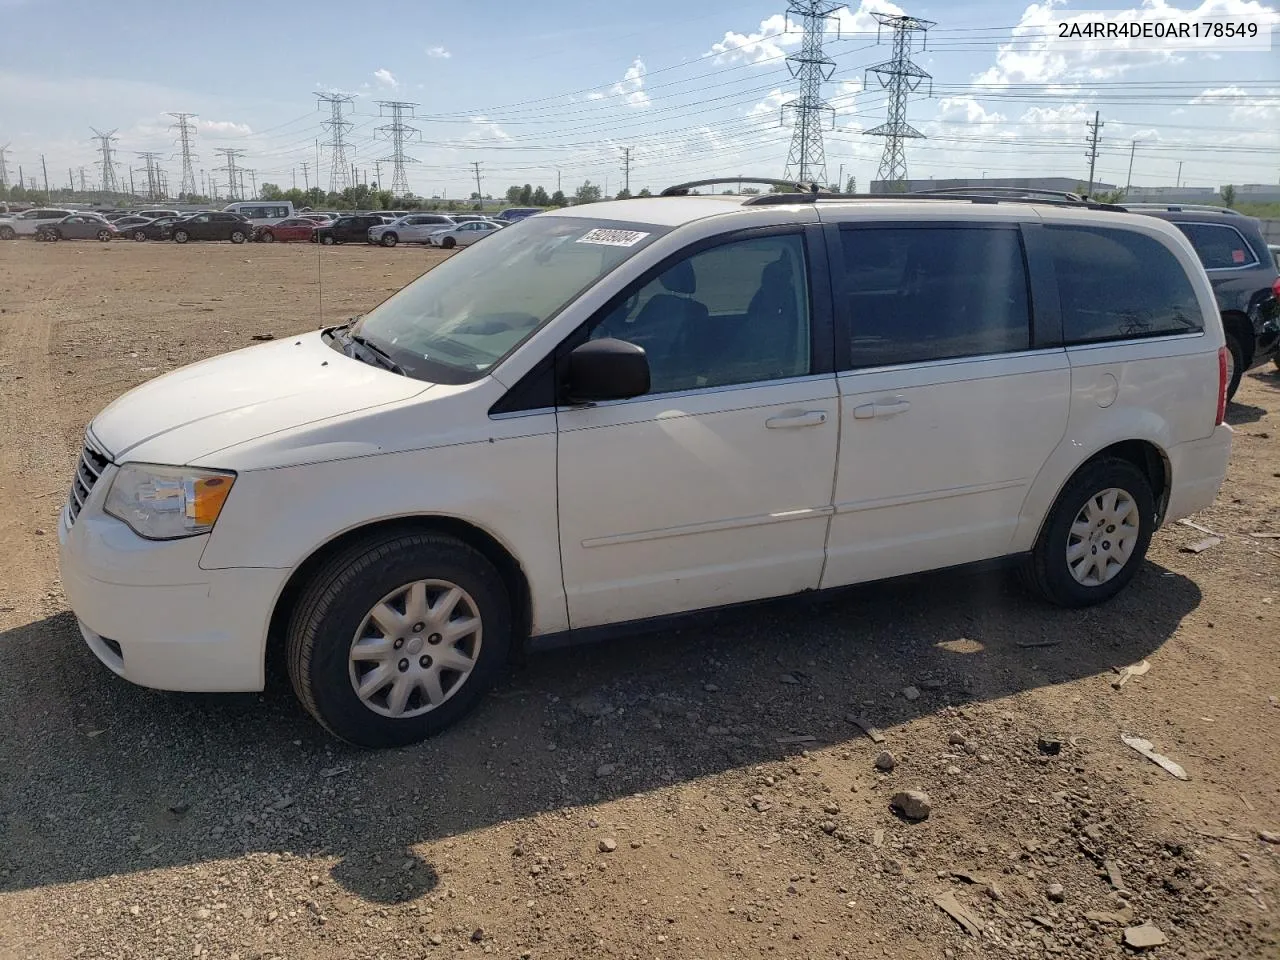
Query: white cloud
x=776 y=35
x=631 y=87
x=438 y=53
x=223 y=128
x=482 y=132
x=386 y=78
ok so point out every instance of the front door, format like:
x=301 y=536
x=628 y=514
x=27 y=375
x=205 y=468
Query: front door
x=715 y=487
x=950 y=400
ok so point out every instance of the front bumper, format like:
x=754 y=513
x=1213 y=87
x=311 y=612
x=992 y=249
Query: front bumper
x=148 y=611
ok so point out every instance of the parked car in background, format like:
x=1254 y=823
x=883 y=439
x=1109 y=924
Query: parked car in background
x=512 y=214
x=161 y=228
x=213 y=226
x=287 y=230
x=320 y=218
x=412 y=228
x=262 y=212
x=464 y=234
x=26 y=224
x=1244 y=274
x=114 y=215
x=157 y=214
x=78 y=226
x=350 y=228
x=1275 y=253
x=125 y=224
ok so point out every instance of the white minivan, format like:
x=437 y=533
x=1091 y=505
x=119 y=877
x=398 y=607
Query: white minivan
x=262 y=212
x=632 y=409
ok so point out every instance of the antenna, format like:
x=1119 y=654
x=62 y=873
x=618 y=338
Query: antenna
x=339 y=168
x=811 y=66
x=900 y=77
x=397 y=132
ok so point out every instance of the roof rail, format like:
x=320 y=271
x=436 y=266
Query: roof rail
x=1179 y=207
x=1025 y=193
x=773 y=198
x=793 y=186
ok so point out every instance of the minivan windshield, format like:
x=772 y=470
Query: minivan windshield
x=453 y=323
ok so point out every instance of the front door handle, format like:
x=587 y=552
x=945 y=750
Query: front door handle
x=882 y=409
x=809 y=418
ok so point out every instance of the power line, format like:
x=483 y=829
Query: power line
x=109 y=182
x=185 y=131
x=807 y=161
x=230 y=157
x=397 y=131
x=339 y=173
x=900 y=76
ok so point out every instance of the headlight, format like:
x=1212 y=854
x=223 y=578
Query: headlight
x=167 y=503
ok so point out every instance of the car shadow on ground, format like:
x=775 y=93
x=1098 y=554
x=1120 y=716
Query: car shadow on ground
x=1239 y=414
x=101 y=777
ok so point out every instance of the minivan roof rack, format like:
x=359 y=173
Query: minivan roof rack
x=793 y=186
x=1026 y=193
x=1180 y=207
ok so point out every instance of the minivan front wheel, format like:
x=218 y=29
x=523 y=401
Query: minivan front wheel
x=398 y=637
x=1095 y=537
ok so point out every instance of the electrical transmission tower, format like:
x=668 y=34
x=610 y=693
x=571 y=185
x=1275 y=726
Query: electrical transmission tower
x=807 y=161
x=83 y=186
x=153 y=180
x=4 y=167
x=230 y=157
x=339 y=167
x=900 y=76
x=397 y=131
x=186 y=130
x=109 y=182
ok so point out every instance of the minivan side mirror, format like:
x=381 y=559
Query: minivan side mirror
x=606 y=369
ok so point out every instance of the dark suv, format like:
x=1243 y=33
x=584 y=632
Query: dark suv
x=1244 y=277
x=349 y=229
x=213 y=226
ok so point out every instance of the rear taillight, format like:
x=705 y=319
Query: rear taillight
x=1275 y=288
x=1222 y=385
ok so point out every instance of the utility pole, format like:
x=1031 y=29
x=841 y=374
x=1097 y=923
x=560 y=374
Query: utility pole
x=1179 y=183
x=293 y=178
x=306 y=179
x=377 y=174
x=339 y=172
x=45 y=170
x=479 y=192
x=807 y=161
x=109 y=182
x=901 y=77
x=840 y=180
x=132 y=192
x=83 y=188
x=71 y=180
x=397 y=131
x=626 y=170
x=4 y=167
x=253 y=181
x=230 y=157
x=204 y=184
x=1095 y=131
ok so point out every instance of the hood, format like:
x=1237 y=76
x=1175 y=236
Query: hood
x=228 y=400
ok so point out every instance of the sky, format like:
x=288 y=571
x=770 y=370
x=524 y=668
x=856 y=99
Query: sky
x=551 y=93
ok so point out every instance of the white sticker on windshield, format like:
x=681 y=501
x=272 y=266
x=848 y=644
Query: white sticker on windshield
x=613 y=238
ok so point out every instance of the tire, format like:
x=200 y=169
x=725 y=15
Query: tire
x=237 y=236
x=105 y=236
x=328 y=239
x=181 y=236
x=6 y=233
x=52 y=236
x=390 y=239
x=1236 y=350
x=448 y=243
x=1048 y=571
x=266 y=236
x=139 y=236
x=335 y=609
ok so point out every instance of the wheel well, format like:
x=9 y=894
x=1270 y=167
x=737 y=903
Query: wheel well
x=1148 y=458
x=507 y=565
x=1238 y=325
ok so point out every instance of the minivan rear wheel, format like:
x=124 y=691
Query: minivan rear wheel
x=398 y=637
x=1095 y=537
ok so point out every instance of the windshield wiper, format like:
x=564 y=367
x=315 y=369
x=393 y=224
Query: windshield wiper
x=376 y=352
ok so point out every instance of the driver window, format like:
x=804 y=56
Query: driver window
x=733 y=314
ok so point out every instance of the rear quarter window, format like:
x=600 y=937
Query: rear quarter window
x=1219 y=246
x=1120 y=285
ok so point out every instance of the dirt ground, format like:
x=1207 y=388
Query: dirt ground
x=638 y=798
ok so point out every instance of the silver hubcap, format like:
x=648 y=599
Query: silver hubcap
x=415 y=649
x=1102 y=537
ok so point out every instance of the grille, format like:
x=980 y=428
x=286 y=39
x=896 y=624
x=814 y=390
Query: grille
x=92 y=462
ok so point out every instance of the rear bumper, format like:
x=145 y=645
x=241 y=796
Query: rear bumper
x=1198 y=468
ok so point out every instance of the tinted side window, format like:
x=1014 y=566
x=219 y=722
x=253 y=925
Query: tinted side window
x=919 y=293
x=1119 y=285
x=1218 y=245
x=736 y=313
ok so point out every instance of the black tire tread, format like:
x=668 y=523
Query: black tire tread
x=1237 y=356
x=334 y=576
